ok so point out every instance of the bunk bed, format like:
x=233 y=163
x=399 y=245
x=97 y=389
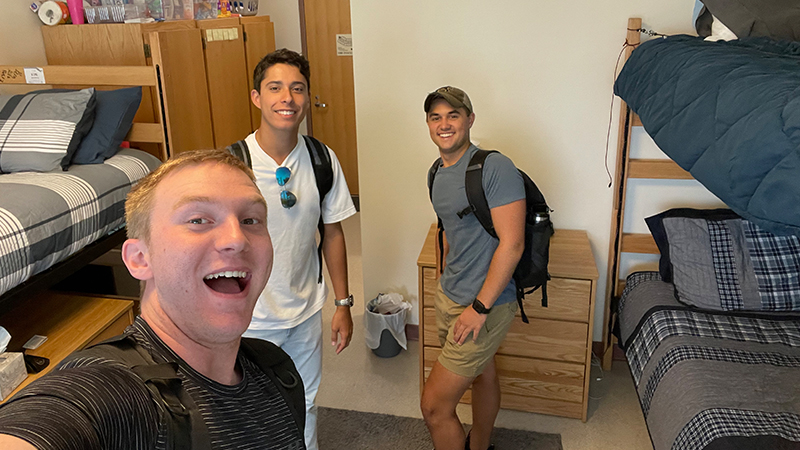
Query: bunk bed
x=714 y=356
x=57 y=221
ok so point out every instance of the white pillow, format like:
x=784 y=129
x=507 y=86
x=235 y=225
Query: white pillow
x=719 y=32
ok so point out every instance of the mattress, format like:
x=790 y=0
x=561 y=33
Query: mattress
x=46 y=217
x=710 y=380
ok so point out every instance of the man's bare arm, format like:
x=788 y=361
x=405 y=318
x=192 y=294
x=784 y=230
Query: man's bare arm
x=509 y=224
x=335 y=251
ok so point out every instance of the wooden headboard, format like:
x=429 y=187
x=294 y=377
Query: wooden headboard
x=102 y=76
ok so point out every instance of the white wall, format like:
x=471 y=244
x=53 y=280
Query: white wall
x=285 y=14
x=22 y=43
x=540 y=77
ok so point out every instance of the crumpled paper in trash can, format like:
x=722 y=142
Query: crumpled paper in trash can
x=386 y=312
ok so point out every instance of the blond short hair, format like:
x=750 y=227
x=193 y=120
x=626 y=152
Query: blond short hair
x=139 y=202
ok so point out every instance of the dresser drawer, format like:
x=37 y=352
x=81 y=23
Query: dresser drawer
x=567 y=299
x=429 y=286
x=541 y=338
x=531 y=384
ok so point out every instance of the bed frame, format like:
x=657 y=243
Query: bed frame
x=147 y=133
x=628 y=168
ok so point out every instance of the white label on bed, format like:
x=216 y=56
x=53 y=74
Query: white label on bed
x=34 y=75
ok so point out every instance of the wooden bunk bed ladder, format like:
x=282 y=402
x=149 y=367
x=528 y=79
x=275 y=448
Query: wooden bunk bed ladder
x=627 y=168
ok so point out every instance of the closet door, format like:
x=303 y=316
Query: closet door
x=178 y=56
x=226 y=70
x=259 y=39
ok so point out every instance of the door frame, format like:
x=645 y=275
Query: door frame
x=304 y=49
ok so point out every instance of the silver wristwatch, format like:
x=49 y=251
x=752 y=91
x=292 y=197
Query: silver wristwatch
x=347 y=301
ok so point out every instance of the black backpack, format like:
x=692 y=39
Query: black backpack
x=323 y=174
x=531 y=272
x=185 y=427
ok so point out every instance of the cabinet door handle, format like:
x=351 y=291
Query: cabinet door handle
x=318 y=104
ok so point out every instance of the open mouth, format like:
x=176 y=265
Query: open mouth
x=227 y=282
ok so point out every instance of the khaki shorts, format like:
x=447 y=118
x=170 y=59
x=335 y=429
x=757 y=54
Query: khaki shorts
x=470 y=358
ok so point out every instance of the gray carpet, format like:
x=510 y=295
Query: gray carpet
x=341 y=429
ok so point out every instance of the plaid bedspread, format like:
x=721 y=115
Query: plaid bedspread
x=711 y=380
x=46 y=217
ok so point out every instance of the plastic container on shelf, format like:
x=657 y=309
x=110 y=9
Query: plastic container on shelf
x=115 y=13
x=205 y=9
x=171 y=9
x=75 y=11
x=247 y=7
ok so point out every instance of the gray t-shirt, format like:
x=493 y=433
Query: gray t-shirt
x=471 y=247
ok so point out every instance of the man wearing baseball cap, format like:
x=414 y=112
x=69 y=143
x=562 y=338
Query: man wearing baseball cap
x=476 y=298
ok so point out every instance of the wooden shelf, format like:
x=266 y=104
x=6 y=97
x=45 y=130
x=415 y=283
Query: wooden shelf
x=70 y=322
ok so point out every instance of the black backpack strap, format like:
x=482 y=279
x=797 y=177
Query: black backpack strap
x=323 y=174
x=439 y=225
x=186 y=429
x=280 y=368
x=239 y=149
x=473 y=183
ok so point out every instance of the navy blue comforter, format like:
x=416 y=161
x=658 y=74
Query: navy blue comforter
x=729 y=113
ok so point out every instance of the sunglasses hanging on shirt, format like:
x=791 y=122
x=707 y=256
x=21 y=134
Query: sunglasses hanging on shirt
x=282 y=176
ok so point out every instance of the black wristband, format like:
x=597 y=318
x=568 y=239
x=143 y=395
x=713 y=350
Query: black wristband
x=479 y=307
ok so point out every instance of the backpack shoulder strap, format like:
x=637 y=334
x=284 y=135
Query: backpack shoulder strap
x=473 y=183
x=439 y=225
x=432 y=175
x=185 y=425
x=323 y=174
x=280 y=368
x=321 y=161
x=240 y=150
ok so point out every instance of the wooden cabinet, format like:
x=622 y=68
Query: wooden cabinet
x=205 y=67
x=545 y=365
x=70 y=322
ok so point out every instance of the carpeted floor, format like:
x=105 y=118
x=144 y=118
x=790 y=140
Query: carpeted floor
x=340 y=429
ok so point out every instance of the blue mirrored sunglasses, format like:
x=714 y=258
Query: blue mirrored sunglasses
x=282 y=176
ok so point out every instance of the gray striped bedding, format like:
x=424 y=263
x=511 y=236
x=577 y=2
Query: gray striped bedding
x=710 y=380
x=46 y=217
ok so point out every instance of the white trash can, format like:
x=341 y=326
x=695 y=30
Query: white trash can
x=385 y=324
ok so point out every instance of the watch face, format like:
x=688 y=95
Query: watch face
x=479 y=307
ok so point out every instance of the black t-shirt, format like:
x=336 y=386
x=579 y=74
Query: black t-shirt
x=97 y=403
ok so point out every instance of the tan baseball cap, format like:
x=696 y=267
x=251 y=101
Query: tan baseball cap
x=453 y=95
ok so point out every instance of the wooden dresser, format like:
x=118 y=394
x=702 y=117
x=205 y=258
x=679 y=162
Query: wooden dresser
x=545 y=365
x=70 y=322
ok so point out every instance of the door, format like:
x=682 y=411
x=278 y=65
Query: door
x=333 y=109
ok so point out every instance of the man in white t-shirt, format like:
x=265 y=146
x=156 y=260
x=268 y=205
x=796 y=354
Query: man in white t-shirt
x=289 y=311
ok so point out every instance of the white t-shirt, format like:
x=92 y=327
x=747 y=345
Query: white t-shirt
x=292 y=294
